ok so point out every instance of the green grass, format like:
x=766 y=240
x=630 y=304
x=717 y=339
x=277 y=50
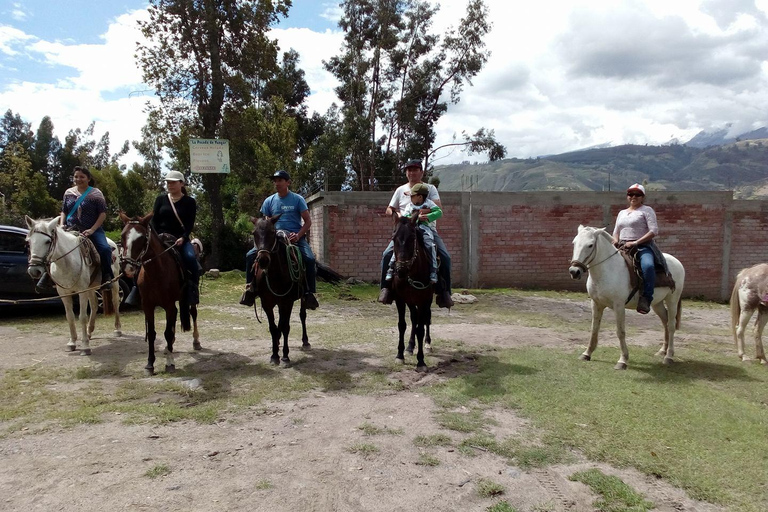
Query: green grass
x=364 y=449
x=488 y=488
x=615 y=495
x=501 y=506
x=158 y=470
x=425 y=459
x=433 y=440
x=369 y=429
x=263 y=485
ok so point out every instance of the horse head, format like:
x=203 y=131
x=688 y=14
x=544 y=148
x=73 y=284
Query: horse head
x=134 y=240
x=585 y=249
x=265 y=239
x=405 y=238
x=41 y=241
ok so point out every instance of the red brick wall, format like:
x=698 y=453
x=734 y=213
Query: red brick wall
x=499 y=239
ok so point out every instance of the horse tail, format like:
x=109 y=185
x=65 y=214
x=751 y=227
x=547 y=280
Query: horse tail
x=735 y=309
x=679 y=312
x=107 y=307
x=184 y=316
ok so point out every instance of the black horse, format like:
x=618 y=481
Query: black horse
x=279 y=280
x=411 y=285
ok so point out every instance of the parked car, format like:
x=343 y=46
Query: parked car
x=15 y=283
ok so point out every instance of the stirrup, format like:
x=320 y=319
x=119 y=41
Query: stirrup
x=249 y=297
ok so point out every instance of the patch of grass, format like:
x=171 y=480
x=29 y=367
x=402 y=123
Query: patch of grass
x=425 y=459
x=615 y=495
x=158 y=470
x=98 y=372
x=524 y=456
x=433 y=440
x=263 y=485
x=501 y=506
x=369 y=429
x=364 y=449
x=470 y=421
x=488 y=488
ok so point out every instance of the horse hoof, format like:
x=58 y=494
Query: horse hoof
x=422 y=369
x=428 y=347
x=197 y=346
x=71 y=348
x=274 y=360
x=286 y=360
x=400 y=360
x=746 y=359
x=118 y=334
x=668 y=361
x=170 y=368
x=763 y=361
x=620 y=366
x=85 y=352
x=149 y=371
x=661 y=352
x=306 y=346
x=410 y=351
x=585 y=357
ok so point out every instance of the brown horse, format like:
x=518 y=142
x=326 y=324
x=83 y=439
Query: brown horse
x=160 y=283
x=278 y=281
x=411 y=285
x=750 y=294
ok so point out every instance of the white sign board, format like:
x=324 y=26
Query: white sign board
x=209 y=155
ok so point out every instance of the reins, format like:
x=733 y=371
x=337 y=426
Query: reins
x=138 y=262
x=409 y=263
x=584 y=267
x=47 y=260
x=295 y=266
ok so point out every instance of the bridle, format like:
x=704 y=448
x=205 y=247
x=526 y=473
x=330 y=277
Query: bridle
x=585 y=266
x=47 y=258
x=407 y=264
x=139 y=261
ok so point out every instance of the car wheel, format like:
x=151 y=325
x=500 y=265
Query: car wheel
x=122 y=291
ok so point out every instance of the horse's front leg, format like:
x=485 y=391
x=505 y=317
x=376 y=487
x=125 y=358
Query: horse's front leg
x=116 y=307
x=669 y=330
x=762 y=318
x=94 y=311
x=303 y=317
x=274 y=332
x=170 y=336
x=741 y=329
x=195 y=333
x=286 y=308
x=401 y=330
x=69 y=312
x=421 y=366
x=597 y=317
x=427 y=323
x=85 y=345
x=150 y=335
x=620 y=312
x=412 y=337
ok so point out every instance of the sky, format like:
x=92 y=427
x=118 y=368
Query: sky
x=563 y=74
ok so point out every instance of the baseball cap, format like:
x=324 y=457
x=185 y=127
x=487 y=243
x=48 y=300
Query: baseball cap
x=280 y=174
x=638 y=187
x=174 y=176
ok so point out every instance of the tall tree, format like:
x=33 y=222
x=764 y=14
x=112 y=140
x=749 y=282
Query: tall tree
x=200 y=56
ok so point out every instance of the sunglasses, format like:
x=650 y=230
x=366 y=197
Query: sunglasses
x=634 y=195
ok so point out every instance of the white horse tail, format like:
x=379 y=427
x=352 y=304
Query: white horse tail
x=679 y=312
x=735 y=308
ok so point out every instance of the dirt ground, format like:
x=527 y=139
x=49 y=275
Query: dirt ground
x=300 y=447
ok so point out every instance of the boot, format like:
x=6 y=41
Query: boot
x=385 y=296
x=193 y=293
x=310 y=302
x=106 y=284
x=44 y=284
x=134 y=298
x=249 y=296
x=643 y=305
x=443 y=299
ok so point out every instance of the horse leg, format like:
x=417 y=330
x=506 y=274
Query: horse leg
x=286 y=308
x=421 y=366
x=427 y=323
x=195 y=334
x=744 y=317
x=69 y=312
x=621 y=332
x=597 y=317
x=661 y=311
x=414 y=331
x=303 y=316
x=85 y=345
x=151 y=334
x=669 y=331
x=274 y=332
x=116 y=307
x=170 y=336
x=401 y=330
x=762 y=318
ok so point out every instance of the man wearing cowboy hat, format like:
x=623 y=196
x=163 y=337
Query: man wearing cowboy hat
x=296 y=221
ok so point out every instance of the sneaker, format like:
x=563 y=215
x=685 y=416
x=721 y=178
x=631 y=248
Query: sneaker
x=385 y=296
x=310 y=302
x=444 y=300
x=249 y=297
x=643 y=305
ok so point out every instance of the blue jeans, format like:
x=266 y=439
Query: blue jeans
x=648 y=266
x=99 y=239
x=306 y=254
x=444 y=271
x=189 y=260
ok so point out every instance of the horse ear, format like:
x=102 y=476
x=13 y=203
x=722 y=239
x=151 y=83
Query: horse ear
x=30 y=221
x=581 y=228
x=415 y=219
x=52 y=223
x=253 y=220
x=273 y=219
x=123 y=217
x=145 y=219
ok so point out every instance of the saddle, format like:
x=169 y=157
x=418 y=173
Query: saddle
x=90 y=256
x=663 y=278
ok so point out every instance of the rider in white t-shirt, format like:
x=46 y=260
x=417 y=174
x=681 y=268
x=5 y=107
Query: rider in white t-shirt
x=399 y=203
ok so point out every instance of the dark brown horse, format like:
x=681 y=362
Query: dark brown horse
x=278 y=281
x=160 y=283
x=411 y=285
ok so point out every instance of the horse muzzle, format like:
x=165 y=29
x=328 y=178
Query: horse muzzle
x=35 y=271
x=575 y=272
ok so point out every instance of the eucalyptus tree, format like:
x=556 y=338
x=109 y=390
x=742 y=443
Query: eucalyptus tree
x=200 y=56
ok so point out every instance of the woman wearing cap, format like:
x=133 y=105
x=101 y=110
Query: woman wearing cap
x=174 y=213
x=635 y=228
x=84 y=208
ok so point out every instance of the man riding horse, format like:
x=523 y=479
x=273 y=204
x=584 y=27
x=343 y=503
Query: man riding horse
x=399 y=203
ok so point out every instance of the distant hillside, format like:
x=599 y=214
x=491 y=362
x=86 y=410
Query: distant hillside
x=740 y=166
x=720 y=137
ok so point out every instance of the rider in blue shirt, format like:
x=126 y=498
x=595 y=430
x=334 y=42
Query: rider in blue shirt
x=296 y=222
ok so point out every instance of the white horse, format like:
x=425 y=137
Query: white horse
x=609 y=286
x=748 y=296
x=53 y=249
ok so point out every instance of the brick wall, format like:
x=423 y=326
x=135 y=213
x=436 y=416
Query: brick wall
x=501 y=239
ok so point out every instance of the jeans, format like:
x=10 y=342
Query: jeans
x=189 y=259
x=306 y=254
x=443 y=272
x=99 y=239
x=648 y=266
